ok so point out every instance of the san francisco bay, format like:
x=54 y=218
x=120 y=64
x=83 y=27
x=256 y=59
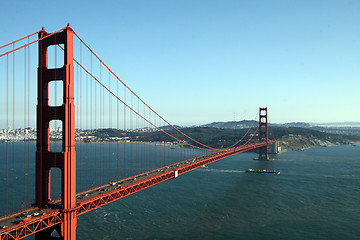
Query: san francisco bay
x=316 y=196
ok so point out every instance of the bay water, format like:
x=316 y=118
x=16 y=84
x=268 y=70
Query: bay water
x=316 y=196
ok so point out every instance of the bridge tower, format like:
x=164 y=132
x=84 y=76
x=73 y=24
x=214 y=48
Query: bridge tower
x=263 y=134
x=66 y=159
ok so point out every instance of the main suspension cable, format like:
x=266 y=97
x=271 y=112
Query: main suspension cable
x=244 y=135
x=20 y=39
x=37 y=40
x=141 y=99
x=110 y=71
x=133 y=110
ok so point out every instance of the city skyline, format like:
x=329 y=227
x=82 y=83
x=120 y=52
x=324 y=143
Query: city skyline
x=211 y=59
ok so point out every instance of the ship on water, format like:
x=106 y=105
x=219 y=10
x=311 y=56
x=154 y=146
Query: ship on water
x=262 y=171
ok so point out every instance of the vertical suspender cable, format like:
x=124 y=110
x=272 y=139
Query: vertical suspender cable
x=143 y=157
x=125 y=135
x=77 y=111
x=7 y=133
x=168 y=152
x=131 y=136
x=183 y=150
x=13 y=143
x=159 y=142
x=155 y=147
x=24 y=202
x=95 y=127
x=137 y=140
x=151 y=149
x=101 y=128
x=165 y=147
x=101 y=115
x=78 y=117
x=146 y=133
x=28 y=118
x=160 y=145
x=110 y=143
x=117 y=130
x=163 y=144
x=91 y=124
x=88 y=155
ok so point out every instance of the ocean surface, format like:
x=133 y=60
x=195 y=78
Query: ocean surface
x=316 y=196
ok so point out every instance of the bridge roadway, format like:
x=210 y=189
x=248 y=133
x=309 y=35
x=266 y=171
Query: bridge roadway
x=29 y=221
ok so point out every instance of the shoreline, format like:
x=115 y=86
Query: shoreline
x=120 y=142
x=284 y=145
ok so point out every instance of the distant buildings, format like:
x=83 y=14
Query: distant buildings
x=81 y=135
x=17 y=135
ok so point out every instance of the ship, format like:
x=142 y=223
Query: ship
x=262 y=171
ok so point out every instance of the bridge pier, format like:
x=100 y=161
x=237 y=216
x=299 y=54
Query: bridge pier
x=66 y=159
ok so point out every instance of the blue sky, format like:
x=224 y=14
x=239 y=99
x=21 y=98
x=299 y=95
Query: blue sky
x=197 y=62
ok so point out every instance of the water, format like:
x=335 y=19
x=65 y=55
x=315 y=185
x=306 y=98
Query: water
x=316 y=196
x=96 y=164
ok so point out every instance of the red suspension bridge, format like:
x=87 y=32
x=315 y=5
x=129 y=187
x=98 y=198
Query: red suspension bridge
x=91 y=149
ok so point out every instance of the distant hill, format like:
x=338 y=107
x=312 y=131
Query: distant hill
x=290 y=138
x=295 y=138
x=247 y=123
x=168 y=127
x=343 y=128
x=232 y=125
x=296 y=124
x=337 y=124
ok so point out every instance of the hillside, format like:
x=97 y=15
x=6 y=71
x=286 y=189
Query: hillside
x=231 y=124
x=290 y=138
x=345 y=128
x=293 y=138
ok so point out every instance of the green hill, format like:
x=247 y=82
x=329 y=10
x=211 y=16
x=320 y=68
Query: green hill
x=290 y=138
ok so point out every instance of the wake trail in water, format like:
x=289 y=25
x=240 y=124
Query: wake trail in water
x=220 y=170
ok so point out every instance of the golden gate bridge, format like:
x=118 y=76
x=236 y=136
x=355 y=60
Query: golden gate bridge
x=71 y=180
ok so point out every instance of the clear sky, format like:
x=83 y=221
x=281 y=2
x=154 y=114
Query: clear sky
x=197 y=62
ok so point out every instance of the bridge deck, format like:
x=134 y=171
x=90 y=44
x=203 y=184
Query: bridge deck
x=24 y=223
